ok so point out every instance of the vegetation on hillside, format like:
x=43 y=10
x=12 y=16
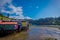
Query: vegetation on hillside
x=4 y=18
x=46 y=21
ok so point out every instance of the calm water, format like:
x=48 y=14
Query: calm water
x=35 y=33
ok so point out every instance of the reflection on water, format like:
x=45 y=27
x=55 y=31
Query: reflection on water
x=39 y=33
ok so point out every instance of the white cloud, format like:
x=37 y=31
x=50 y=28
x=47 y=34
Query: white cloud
x=17 y=17
x=28 y=17
x=17 y=10
x=5 y=11
x=3 y=2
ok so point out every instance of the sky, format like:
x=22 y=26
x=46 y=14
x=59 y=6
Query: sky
x=30 y=9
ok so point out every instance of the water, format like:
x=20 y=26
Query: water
x=35 y=33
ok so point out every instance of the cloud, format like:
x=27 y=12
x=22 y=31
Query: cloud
x=5 y=11
x=17 y=17
x=17 y=10
x=28 y=17
x=3 y=2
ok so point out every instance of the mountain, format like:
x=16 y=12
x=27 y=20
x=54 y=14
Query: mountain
x=46 y=21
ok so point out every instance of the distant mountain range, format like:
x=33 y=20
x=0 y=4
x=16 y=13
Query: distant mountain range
x=46 y=21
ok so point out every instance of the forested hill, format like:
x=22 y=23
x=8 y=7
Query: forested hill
x=46 y=21
x=2 y=17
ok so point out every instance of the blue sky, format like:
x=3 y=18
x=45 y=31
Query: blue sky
x=34 y=9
